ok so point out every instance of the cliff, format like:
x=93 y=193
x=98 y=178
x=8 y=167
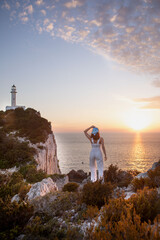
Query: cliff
x=26 y=136
x=46 y=155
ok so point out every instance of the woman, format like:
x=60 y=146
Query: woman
x=96 y=153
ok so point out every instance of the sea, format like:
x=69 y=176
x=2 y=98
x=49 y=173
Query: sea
x=129 y=151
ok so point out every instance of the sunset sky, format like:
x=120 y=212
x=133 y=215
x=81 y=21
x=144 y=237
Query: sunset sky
x=83 y=62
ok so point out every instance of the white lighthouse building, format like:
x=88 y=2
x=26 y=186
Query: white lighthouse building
x=13 y=100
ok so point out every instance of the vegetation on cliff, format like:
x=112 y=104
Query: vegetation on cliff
x=27 y=123
x=20 y=123
x=12 y=152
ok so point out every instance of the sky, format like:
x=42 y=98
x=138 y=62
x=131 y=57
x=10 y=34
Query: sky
x=83 y=62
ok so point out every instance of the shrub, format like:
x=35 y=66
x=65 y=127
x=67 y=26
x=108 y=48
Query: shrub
x=111 y=175
x=96 y=193
x=146 y=203
x=13 y=153
x=16 y=177
x=152 y=181
x=70 y=187
x=56 y=176
x=31 y=174
x=13 y=218
x=128 y=227
x=114 y=209
x=91 y=212
x=24 y=189
x=154 y=175
x=138 y=183
x=28 y=123
x=117 y=176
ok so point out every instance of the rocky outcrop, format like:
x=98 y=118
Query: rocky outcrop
x=77 y=176
x=42 y=188
x=145 y=174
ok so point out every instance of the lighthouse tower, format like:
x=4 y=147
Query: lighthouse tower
x=13 y=96
x=13 y=100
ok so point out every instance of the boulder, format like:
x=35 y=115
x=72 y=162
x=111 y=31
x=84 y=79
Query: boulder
x=77 y=176
x=40 y=189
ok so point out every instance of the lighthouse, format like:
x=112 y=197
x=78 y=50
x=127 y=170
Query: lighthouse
x=13 y=96
x=13 y=100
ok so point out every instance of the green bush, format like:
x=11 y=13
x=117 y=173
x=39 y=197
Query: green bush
x=16 y=177
x=13 y=153
x=31 y=174
x=13 y=218
x=96 y=193
x=70 y=187
x=56 y=176
x=146 y=203
x=28 y=123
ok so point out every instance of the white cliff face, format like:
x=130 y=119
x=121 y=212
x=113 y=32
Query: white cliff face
x=46 y=156
x=40 y=189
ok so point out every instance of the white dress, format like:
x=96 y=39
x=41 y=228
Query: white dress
x=96 y=157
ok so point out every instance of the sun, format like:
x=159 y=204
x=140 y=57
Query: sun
x=138 y=120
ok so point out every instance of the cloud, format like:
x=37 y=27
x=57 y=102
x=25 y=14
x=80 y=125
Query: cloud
x=39 y=2
x=127 y=32
x=49 y=27
x=6 y=5
x=156 y=83
x=150 y=103
x=43 y=12
x=73 y=4
x=29 y=9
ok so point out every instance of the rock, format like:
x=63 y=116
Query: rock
x=156 y=164
x=42 y=188
x=46 y=156
x=142 y=175
x=15 y=198
x=145 y=175
x=81 y=172
x=60 y=182
x=9 y=170
x=128 y=194
x=76 y=176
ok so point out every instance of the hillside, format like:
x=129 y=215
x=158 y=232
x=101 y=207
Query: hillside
x=27 y=138
x=27 y=123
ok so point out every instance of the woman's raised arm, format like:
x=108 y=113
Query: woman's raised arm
x=86 y=132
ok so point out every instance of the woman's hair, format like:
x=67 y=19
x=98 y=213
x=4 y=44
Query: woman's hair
x=95 y=137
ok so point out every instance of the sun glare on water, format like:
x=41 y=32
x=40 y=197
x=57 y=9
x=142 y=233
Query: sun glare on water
x=138 y=120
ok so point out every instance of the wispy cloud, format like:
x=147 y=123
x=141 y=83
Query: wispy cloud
x=126 y=31
x=149 y=103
